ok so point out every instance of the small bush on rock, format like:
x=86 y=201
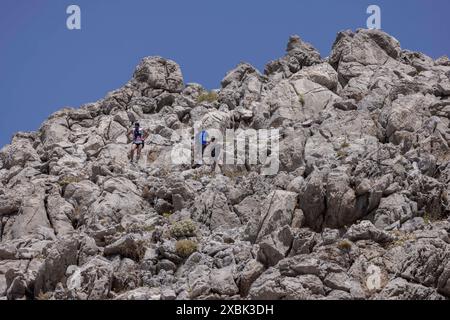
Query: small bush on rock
x=345 y=245
x=345 y=144
x=44 y=296
x=147 y=193
x=184 y=248
x=182 y=229
x=209 y=97
x=301 y=99
x=167 y=215
x=341 y=154
x=65 y=181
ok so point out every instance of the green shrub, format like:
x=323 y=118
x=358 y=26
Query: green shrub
x=148 y=228
x=429 y=217
x=136 y=251
x=234 y=174
x=184 y=248
x=345 y=144
x=345 y=245
x=301 y=99
x=167 y=215
x=147 y=193
x=137 y=228
x=341 y=154
x=401 y=238
x=65 y=181
x=209 y=97
x=182 y=229
x=43 y=296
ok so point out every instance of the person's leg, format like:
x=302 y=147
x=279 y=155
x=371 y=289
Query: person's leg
x=139 y=148
x=203 y=153
x=133 y=148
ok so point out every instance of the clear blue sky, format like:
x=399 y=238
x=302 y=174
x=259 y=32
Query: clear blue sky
x=44 y=66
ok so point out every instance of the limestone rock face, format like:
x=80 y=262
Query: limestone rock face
x=159 y=73
x=348 y=197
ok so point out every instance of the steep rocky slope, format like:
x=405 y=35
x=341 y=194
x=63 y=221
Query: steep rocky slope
x=358 y=210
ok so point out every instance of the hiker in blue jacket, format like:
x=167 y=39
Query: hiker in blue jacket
x=200 y=144
x=204 y=140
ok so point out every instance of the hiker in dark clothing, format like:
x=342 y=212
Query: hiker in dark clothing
x=138 y=141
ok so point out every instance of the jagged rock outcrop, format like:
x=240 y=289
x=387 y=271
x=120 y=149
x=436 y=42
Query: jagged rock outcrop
x=358 y=207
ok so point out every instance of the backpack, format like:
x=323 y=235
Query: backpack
x=203 y=137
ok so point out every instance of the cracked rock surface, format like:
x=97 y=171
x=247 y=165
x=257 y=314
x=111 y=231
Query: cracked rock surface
x=359 y=208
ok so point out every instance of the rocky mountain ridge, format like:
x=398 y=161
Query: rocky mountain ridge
x=358 y=210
